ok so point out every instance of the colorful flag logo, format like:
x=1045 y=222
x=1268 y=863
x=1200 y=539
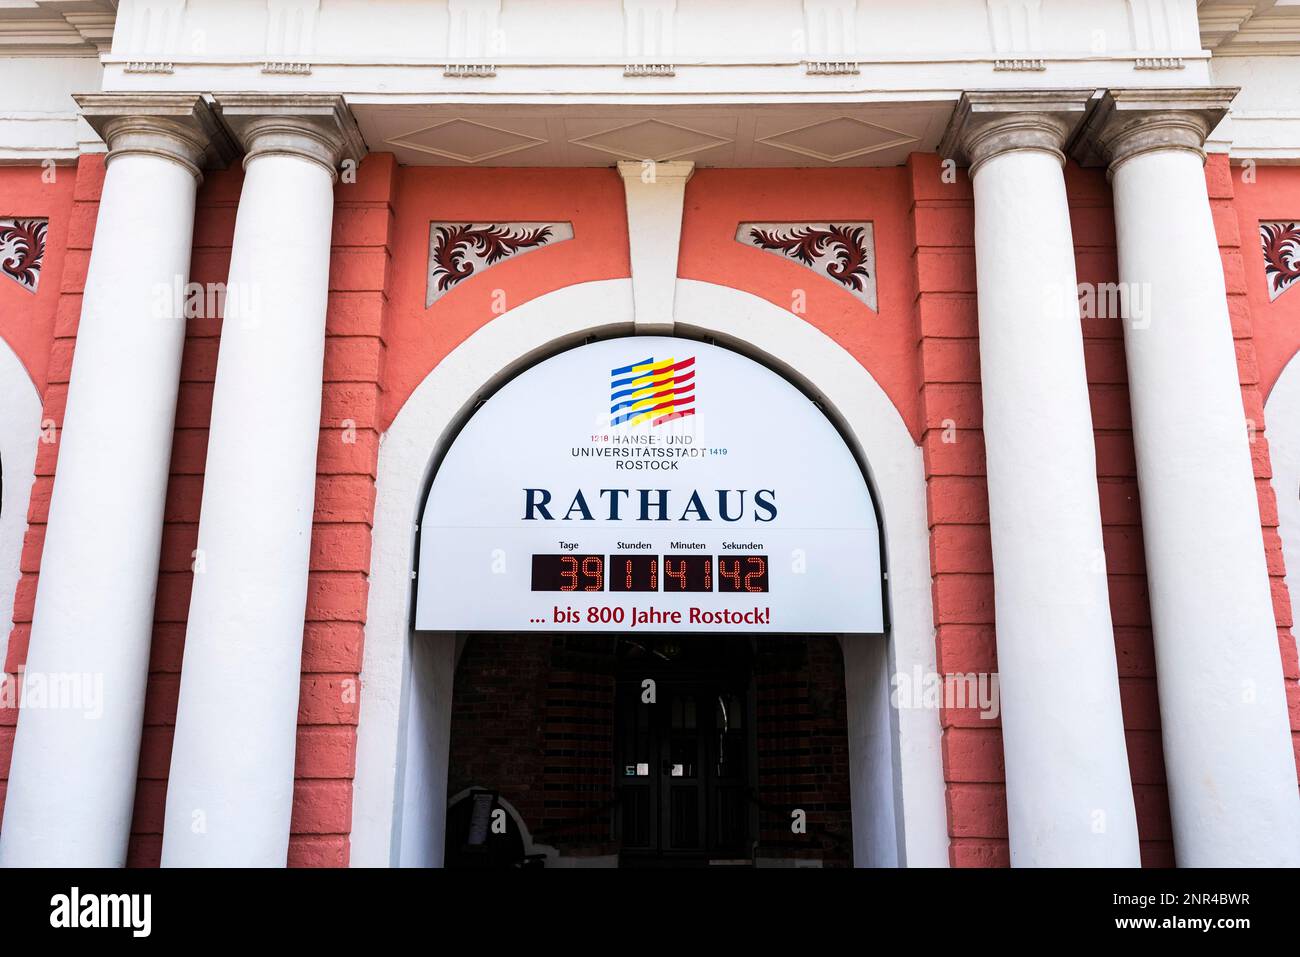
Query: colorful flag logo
x=653 y=391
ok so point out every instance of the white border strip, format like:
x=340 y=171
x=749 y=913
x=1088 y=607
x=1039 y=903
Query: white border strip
x=20 y=426
x=1282 y=429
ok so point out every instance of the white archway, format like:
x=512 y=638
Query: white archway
x=20 y=426
x=1282 y=426
x=399 y=792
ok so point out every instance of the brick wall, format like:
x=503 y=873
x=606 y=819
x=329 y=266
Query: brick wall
x=961 y=561
x=578 y=755
x=346 y=464
x=533 y=718
x=803 y=750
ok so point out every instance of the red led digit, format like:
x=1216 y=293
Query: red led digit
x=593 y=567
x=732 y=575
x=627 y=563
x=654 y=573
x=679 y=575
x=759 y=570
x=569 y=572
x=708 y=574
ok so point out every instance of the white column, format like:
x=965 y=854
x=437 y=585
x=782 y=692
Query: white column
x=73 y=776
x=1223 y=714
x=230 y=792
x=1069 y=797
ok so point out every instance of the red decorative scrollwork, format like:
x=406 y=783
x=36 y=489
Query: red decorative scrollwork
x=453 y=245
x=807 y=244
x=22 y=246
x=1281 y=242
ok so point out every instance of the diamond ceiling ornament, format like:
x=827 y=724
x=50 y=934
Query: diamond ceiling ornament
x=465 y=141
x=650 y=139
x=838 y=139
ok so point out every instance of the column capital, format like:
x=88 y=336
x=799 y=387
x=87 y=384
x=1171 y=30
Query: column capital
x=989 y=122
x=1129 y=122
x=180 y=127
x=315 y=127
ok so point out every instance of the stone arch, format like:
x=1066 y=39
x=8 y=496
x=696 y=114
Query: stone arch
x=1282 y=425
x=19 y=432
x=400 y=784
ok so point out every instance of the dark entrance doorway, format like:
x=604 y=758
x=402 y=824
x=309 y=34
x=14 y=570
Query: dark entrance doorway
x=741 y=736
x=684 y=752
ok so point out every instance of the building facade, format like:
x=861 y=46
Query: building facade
x=925 y=373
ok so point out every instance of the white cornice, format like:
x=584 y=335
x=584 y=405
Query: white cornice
x=95 y=28
x=56 y=27
x=1262 y=28
x=1220 y=22
x=85 y=27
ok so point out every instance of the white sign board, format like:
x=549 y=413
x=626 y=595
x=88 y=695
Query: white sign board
x=647 y=485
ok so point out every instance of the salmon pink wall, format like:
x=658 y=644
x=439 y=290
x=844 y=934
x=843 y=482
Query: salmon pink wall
x=1274 y=194
x=43 y=339
x=591 y=199
x=26 y=318
x=884 y=341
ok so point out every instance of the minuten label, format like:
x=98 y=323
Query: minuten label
x=655 y=484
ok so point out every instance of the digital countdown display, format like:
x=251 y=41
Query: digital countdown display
x=641 y=573
x=648 y=484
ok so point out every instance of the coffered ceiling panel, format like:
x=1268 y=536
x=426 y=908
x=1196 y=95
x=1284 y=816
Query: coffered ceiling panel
x=743 y=135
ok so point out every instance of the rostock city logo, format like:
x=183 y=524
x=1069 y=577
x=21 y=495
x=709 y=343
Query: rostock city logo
x=652 y=391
